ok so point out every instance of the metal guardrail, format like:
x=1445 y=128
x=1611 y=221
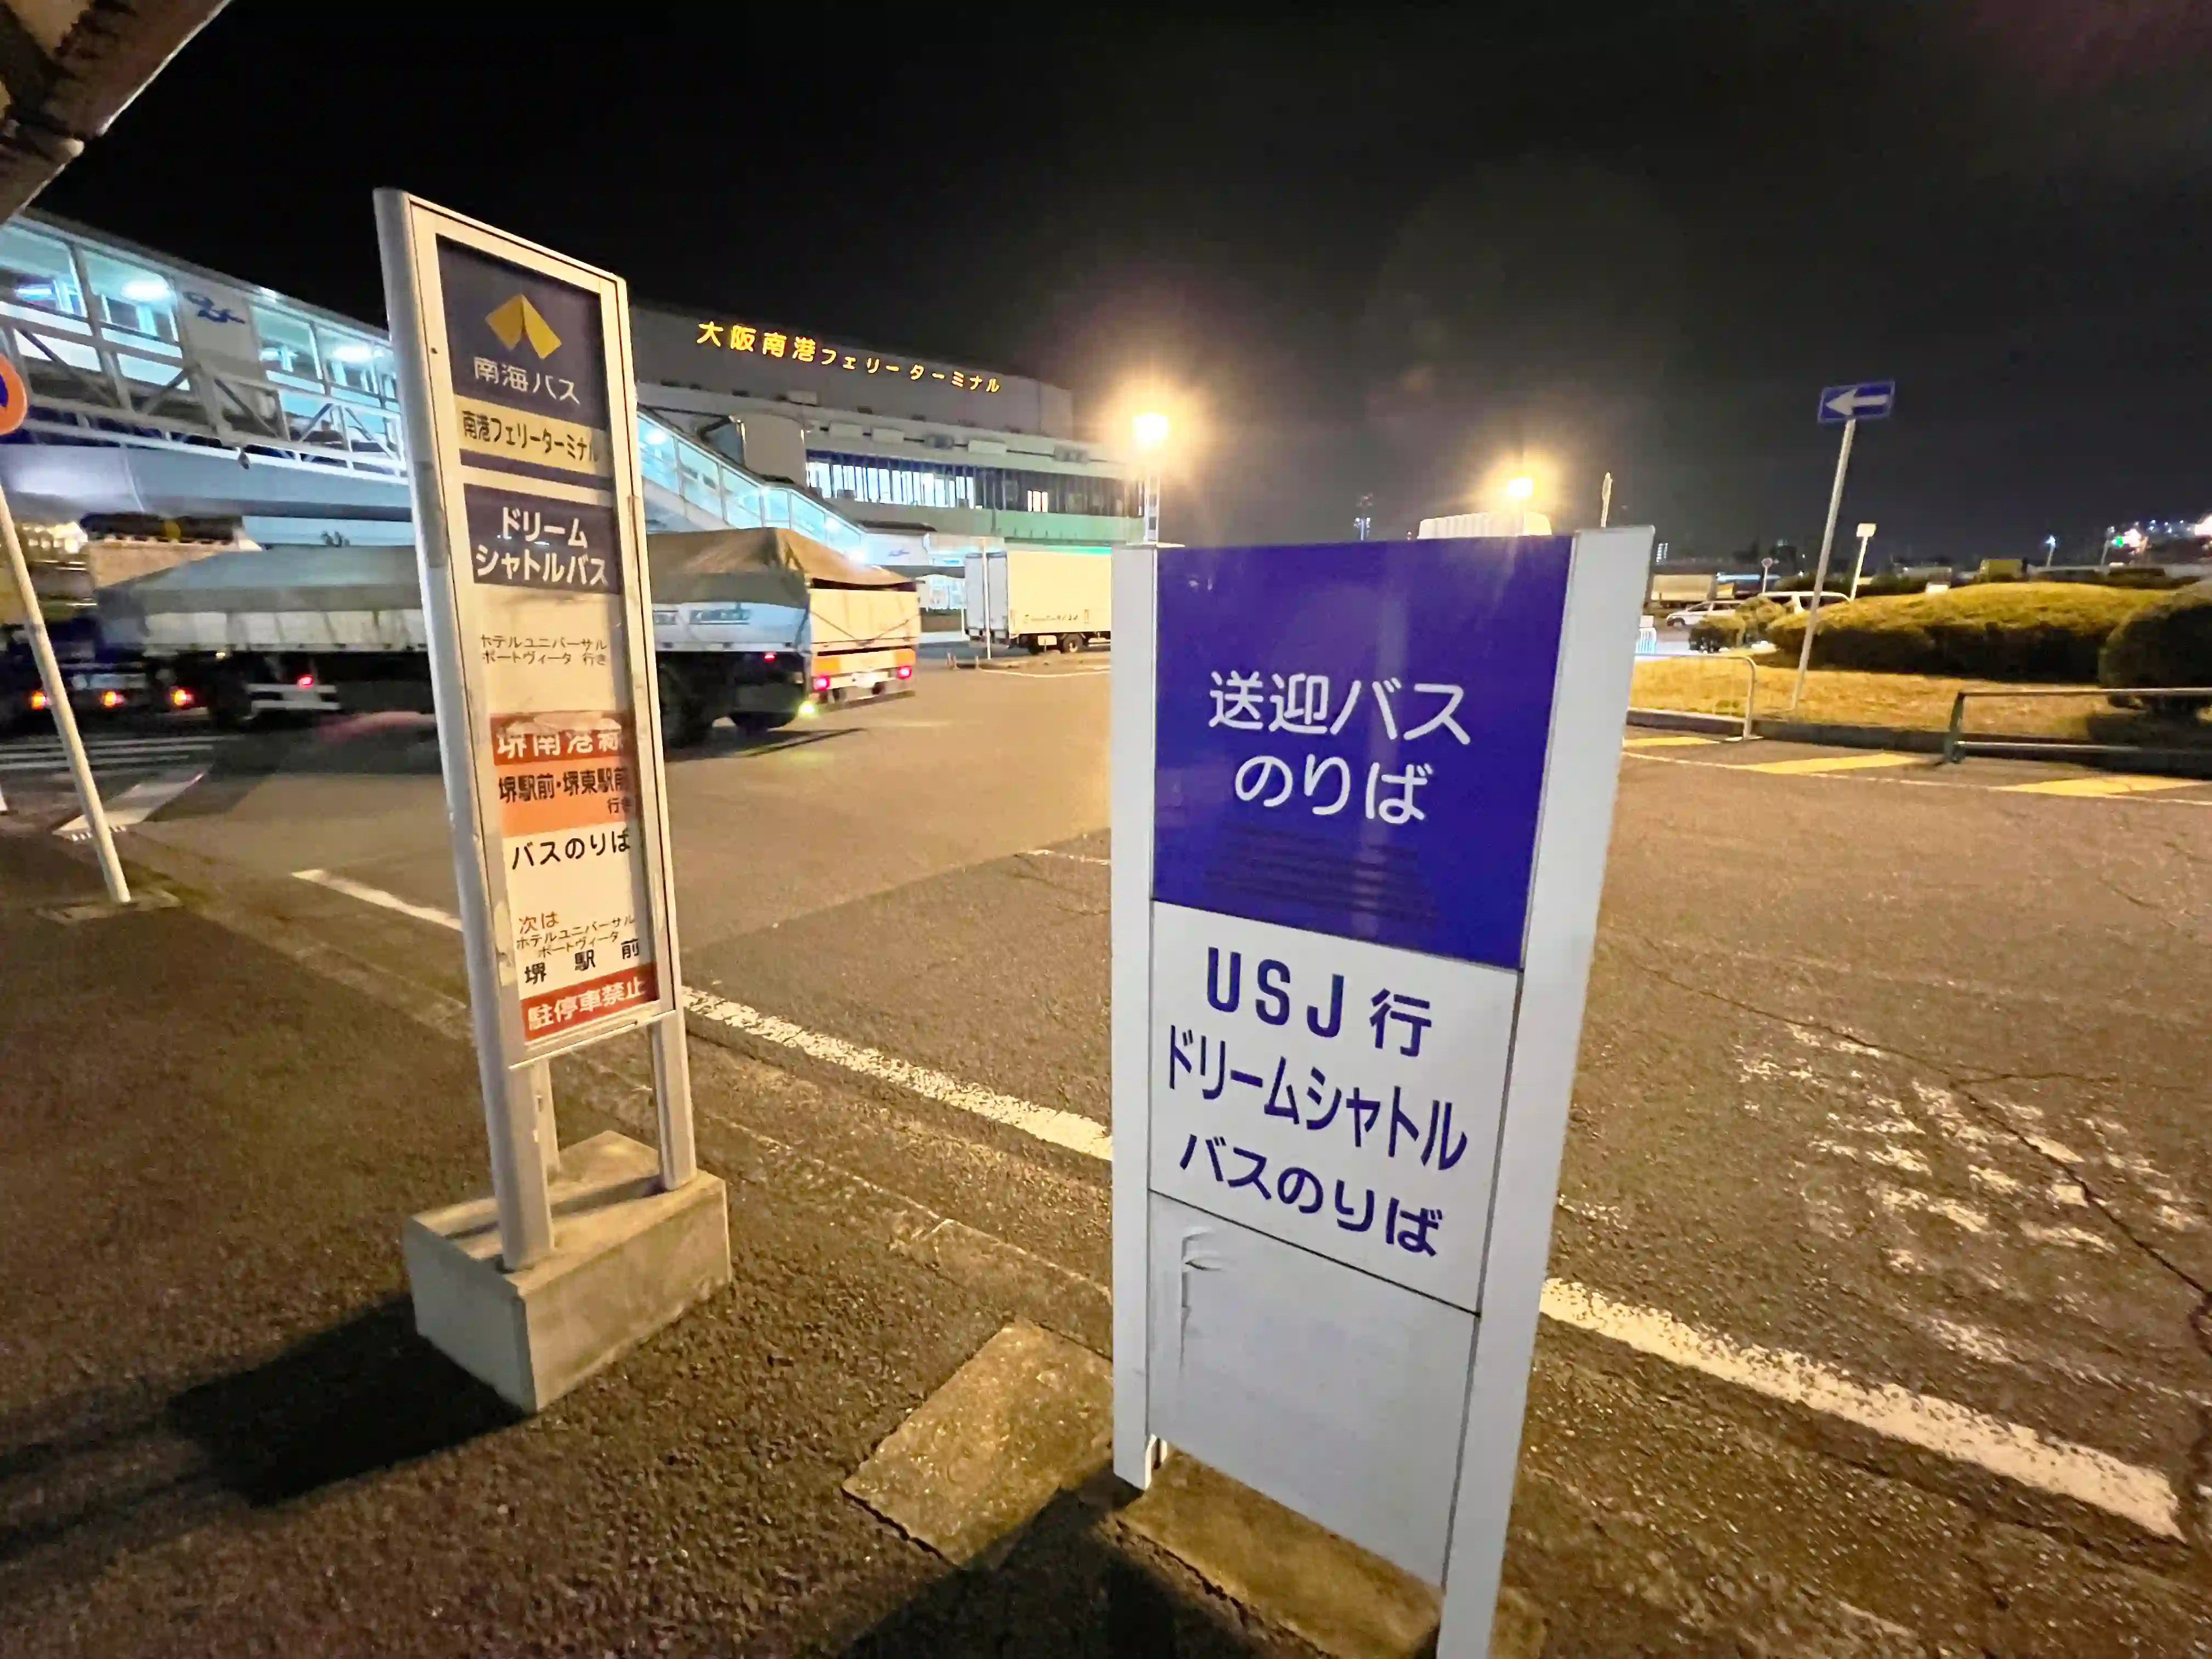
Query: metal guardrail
x=1956 y=742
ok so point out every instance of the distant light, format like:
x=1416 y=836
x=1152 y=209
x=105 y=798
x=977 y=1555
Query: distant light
x=654 y=435
x=111 y=699
x=304 y=681
x=180 y=697
x=1150 y=429
x=146 y=290
x=353 y=351
x=767 y=656
x=808 y=708
x=1521 y=487
x=2203 y=527
x=38 y=700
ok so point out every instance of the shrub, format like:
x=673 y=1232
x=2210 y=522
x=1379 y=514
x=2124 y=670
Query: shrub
x=1723 y=630
x=2167 y=643
x=1890 y=582
x=2142 y=575
x=1992 y=630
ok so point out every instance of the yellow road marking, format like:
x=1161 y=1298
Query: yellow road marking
x=2117 y=783
x=1679 y=741
x=1835 y=763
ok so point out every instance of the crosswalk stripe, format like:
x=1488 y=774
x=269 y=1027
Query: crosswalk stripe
x=1678 y=740
x=96 y=746
x=137 y=760
x=1816 y=763
x=2117 y=783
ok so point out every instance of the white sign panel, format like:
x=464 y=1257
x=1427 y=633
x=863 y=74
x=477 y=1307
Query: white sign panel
x=1337 y=1095
x=1362 y=795
x=541 y=567
x=216 y=321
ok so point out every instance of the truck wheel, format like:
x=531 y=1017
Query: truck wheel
x=1073 y=642
x=1036 y=650
x=682 y=724
x=230 y=705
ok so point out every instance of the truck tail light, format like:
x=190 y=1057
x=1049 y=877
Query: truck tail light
x=821 y=682
x=111 y=699
x=180 y=698
x=38 y=700
x=304 y=681
x=906 y=671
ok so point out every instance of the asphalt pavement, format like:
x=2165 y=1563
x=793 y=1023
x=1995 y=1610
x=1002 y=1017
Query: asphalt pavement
x=1879 y=1272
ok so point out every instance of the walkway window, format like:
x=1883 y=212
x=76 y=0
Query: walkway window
x=134 y=299
x=356 y=364
x=36 y=271
x=287 y=344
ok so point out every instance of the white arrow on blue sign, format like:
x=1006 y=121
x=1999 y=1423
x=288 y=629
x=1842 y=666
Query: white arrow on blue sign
x=1868 y=400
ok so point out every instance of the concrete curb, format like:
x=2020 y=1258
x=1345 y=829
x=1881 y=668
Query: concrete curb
x=2109 y=757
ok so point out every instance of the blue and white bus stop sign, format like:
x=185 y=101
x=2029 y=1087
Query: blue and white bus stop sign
x=1362 y=795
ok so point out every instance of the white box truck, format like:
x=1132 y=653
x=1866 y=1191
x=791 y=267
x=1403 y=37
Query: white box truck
x=753 y=624
x=1032 y=598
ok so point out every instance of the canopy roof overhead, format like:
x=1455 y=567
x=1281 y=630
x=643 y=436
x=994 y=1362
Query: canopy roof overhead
x=68 y=67
x=698 y=564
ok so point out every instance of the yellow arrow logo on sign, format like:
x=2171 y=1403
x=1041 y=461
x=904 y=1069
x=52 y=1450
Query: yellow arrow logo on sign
x=518 y=320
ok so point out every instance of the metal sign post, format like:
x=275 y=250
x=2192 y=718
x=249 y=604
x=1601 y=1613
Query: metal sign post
x=14 y=409
x=1867 y=400
x=517 y=389
x=1362 y=796
x=1858 y=566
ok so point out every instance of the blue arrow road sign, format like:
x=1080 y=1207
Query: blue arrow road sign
x=1869 y=400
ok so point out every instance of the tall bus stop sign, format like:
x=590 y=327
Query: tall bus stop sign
x=522 y=427
x=1362 y=795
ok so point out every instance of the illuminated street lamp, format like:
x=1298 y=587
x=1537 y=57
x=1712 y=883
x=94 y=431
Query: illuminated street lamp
x=1149 y=431
x=1520 y=487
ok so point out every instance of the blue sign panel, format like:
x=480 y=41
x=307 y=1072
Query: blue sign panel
x=1868 y=400
x=1350 y=739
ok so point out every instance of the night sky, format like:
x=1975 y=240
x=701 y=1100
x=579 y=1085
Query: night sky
x=1372 y=252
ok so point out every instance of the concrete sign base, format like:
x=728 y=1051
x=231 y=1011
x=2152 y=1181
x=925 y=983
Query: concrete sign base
x=628 y=1258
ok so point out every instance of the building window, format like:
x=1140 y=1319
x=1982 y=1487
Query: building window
x=1040 y=500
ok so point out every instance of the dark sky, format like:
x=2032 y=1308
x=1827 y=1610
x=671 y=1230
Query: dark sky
x=1371 y=251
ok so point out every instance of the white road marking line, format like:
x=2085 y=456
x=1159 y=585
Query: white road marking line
x=1952 y=1430
x=1678 y=740
x=1072 y=858
x=1958 y=1432
x=1066 y=1129
x=134 y=806
x=375 y=896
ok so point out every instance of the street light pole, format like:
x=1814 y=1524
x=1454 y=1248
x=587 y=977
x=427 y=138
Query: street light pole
x=57 y=704
x=1820 y=575
x=1149 y=432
